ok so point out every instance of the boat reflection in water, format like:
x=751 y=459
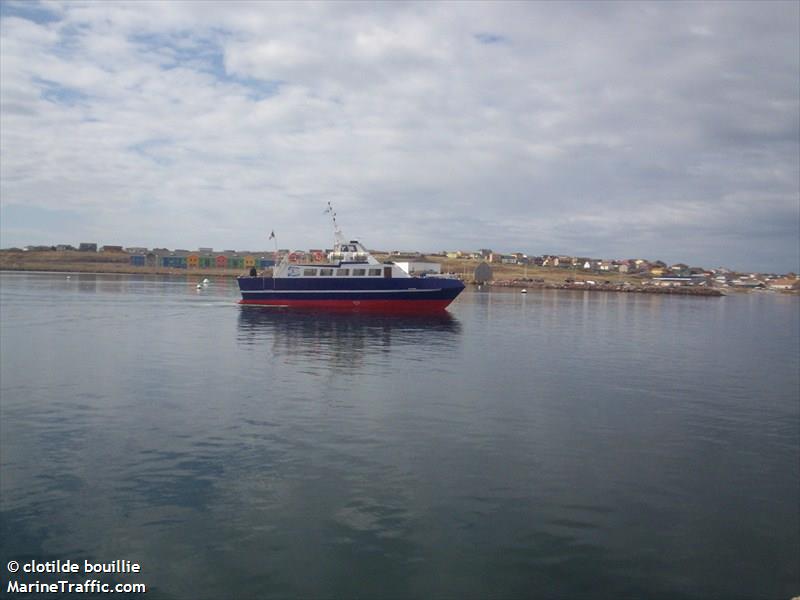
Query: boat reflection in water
x=346 y=340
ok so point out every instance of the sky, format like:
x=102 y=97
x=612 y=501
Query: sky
x=662 y=130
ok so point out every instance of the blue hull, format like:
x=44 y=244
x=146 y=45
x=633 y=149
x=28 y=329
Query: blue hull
x=424 y=293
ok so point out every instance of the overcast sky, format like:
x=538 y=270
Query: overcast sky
x=614 y=130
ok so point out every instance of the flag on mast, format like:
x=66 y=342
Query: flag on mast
x=272 y=235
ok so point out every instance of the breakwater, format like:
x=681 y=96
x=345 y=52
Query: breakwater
x=624 y=288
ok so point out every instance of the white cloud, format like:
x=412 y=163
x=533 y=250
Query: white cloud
x=431 y=125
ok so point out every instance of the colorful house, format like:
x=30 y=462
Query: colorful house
x=173 y=262
x=206 y=261
x=193 y=261
x=221 y=261
x=249 y=261
x=236 y=262
x=137 y=260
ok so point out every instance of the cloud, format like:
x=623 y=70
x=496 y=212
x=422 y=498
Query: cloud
x=607 y=129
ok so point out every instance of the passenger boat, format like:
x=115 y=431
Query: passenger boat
x=352 y=279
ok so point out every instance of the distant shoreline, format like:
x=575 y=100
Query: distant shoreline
x=102 y=269
x=232 y=273
x=505 y=276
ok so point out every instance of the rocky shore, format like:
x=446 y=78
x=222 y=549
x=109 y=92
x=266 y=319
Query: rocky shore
x=602 y=287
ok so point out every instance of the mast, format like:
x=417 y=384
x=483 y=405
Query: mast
x=338 y=238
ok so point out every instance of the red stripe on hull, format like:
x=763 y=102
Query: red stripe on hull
x=406 y=306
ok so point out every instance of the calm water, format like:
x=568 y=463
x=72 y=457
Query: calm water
x=554 y=445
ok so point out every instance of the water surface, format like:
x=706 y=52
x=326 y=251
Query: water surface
x=555 y=444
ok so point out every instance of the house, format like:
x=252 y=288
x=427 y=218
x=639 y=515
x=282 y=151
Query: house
x=748 y=282
x=111 y=249
x=522 y=258
x=680 y=270
x=138 y=260
x=87 y=247
x=192 y=260
x=136 y=250
x=265 y=263
x=784 y=283
x=721 y=280
x=173 y=261
x=65 y=247
x=206 y=261
x=672 y=281
x=221 y=261
x=236 y=262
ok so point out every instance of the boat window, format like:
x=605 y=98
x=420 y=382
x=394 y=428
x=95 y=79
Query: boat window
x=325 y=272
x=359 y=272
x=309 y=272
x=343 y=272
x=374 y=272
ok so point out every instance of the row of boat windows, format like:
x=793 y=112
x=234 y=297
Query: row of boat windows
x=342 y=272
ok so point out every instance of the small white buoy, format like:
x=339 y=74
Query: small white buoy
x=205 y=280
x=199 y=287
x=523 y=291
x=67 y=276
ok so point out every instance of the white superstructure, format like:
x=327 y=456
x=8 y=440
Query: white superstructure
x=348 y=259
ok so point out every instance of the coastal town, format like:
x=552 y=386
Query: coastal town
x=483 y=266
